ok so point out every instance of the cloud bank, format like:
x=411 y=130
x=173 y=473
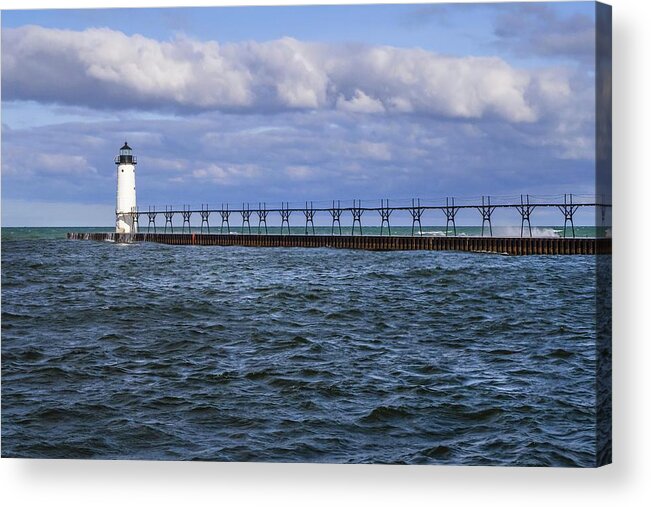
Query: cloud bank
x=104 y=68
x=292 y=120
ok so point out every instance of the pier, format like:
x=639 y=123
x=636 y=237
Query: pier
x=359 y=211
x=236 y=228
x=506 y=246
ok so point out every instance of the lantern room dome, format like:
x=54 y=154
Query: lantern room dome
x=126 y=155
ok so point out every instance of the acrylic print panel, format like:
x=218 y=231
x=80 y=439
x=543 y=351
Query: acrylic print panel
x=358 y=234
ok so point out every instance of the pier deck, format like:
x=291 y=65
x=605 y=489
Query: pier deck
x=502 y=245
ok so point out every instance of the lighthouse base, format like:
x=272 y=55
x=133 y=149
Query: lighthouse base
x=124 y=225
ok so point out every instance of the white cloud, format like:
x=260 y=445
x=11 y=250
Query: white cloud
x=360 y=103
x=26 y=163
x=299 y=172
x=373 y=150
x=225 y=174
x=166 y=165
x=103 y=68
x=61 y=163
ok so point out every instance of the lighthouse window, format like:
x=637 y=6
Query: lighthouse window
x=122 y=170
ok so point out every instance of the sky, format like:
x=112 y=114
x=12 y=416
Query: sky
x=250 y=104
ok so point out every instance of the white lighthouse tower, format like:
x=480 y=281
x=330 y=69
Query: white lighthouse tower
x=126 y=199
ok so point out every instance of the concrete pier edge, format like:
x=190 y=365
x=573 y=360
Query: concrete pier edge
x=501 y=245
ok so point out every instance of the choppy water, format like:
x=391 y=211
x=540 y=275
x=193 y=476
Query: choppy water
x=210 y=353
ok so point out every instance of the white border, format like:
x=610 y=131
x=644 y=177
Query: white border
x=67 y=483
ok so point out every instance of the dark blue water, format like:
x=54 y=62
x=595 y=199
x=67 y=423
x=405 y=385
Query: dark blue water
x=224 y=353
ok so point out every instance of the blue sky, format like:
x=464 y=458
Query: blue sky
x=293 y=103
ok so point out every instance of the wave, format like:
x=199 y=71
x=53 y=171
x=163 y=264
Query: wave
x=536 y=232
x=432 y=233
x=385 y=413
x=438 y=451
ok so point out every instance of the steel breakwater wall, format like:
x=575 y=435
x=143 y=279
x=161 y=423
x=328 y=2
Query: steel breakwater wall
x=510 y=246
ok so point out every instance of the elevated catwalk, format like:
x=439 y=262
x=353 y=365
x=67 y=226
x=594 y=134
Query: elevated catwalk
x=509 y=246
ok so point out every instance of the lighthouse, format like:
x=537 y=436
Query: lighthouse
x=126 y=197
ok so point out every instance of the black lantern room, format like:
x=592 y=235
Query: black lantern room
x=126 y=155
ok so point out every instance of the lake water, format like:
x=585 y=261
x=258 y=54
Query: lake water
x=148 y=351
